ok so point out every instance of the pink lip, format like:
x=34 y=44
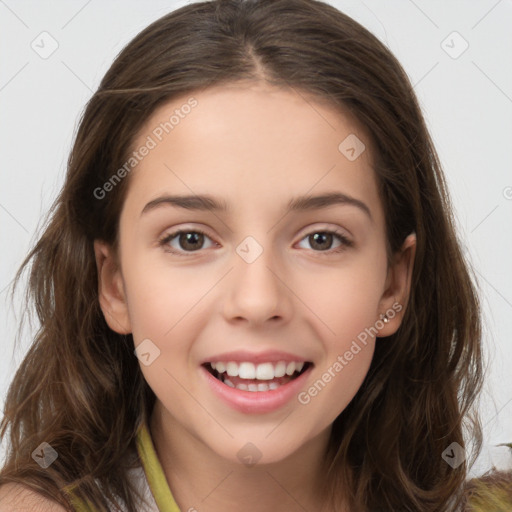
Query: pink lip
x=270 y=356
x=258 y=402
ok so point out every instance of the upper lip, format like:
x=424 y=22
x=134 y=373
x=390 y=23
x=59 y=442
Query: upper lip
x=269 y=356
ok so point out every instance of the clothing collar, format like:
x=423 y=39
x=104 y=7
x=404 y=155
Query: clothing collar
x=154 y=472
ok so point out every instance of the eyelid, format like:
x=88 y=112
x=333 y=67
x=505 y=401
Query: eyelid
x=325 y=227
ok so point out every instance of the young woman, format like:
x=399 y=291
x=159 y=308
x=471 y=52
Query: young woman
x=250 y=287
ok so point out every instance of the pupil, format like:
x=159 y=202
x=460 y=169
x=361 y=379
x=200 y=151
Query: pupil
x=322 y=237
x=189 y=239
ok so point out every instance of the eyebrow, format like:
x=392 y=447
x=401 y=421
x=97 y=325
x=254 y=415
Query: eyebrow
x=301 y=203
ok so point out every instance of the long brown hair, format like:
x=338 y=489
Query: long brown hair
x=80 y=387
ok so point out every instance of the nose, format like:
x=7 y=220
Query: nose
x=257 y=291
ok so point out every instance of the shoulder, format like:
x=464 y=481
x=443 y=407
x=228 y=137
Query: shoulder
x=19 y=498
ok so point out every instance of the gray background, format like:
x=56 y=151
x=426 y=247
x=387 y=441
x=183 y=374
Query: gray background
x=466 y=98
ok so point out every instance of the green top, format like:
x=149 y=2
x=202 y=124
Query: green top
x=153 y=472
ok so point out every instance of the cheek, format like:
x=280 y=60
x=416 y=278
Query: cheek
x=162 y=299
x=165 y=307
x=336 y=384
x=346 y=304
x=348 y=310
x=168 y=306
x=345 y=299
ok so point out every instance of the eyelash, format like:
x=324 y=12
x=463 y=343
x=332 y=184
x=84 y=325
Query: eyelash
x=345 y=242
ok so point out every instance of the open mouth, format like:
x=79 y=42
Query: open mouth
x=256 y=378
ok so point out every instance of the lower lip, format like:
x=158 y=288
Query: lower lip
x=256 y=402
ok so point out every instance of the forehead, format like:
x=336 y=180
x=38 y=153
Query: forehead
x=253 y=141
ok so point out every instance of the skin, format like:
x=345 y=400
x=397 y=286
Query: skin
x=254 y=146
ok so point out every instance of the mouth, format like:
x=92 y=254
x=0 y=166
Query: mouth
x=263 y=377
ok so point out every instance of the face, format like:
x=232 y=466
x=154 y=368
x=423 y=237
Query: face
x=255 y=322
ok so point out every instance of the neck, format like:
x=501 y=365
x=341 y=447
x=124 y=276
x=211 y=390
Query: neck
x=202 y=480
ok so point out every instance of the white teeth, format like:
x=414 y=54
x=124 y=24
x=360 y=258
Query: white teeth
x=232 y=369
x=246 y=371
x=262 y=371
x=280 y=369
x=265 y=371
x=290 y=368
x=252 y=387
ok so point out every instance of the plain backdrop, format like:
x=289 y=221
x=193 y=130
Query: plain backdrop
x=456 y=53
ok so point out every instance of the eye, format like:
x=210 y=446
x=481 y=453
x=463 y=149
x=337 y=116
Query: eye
x=190 y=240
x=322 y=240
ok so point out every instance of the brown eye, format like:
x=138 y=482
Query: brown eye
x=184 y=241
x=191 y=241
x=322 y=241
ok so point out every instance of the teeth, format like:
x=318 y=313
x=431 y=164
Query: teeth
x=290 y=368
x=262 y=371
x=246 y=370
x=232 y=369
x=265 y=371
x=252 y=387
x=280 y=369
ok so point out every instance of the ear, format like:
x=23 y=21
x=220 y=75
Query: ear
x=397 y=289
x=111 y=291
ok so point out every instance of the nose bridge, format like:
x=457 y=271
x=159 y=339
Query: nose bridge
x=256 y=292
